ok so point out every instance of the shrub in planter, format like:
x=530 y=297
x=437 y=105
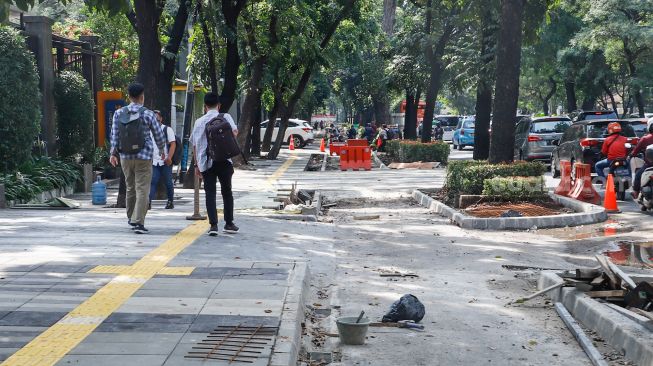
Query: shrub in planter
x=74 y=116
x=468 y=177
x=413 y=151
x=20 y=102
x=515 y=188
x=38 y=176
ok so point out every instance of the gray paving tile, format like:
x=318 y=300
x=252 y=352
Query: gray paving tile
x=132 y=337
x=5 y=353
x=143 y=327
x=112 y=360
x=156 y=346
x=150 y=318
x=207 y=323
x=32 y=318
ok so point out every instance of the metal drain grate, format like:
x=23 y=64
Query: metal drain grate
x=234 y=344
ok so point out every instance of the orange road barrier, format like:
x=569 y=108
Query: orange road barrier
x=565 y=186
x=583 y=189
x=356 y=157
x=336 y=147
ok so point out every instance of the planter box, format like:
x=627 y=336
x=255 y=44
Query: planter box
x=585 y=214
x=46 y=196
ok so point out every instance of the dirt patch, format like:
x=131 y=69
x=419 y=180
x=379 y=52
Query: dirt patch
x=314 y=163
x=333 y=163
x=523 y=209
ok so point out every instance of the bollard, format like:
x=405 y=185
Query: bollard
x=565 y=186
x=196 y=202
x=583 y=189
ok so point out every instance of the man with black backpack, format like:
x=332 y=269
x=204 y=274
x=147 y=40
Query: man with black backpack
x=132 y=142
x=214 y=141
x=162 y=168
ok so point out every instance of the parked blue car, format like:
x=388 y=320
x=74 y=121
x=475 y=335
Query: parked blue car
x=464 y=133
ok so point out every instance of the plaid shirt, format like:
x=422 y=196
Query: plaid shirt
x=150 y=122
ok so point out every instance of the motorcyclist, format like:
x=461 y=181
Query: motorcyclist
x=644 y=145
x=438 y=132
x=614 y=147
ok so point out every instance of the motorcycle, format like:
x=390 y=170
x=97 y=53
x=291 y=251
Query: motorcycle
x=621 y=173
x=645 y=198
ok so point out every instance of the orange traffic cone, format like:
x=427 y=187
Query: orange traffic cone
x=322 y=146
x=610 y=202
x=292 y=142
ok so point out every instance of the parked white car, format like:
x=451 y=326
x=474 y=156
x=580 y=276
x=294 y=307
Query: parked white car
x=301 y=130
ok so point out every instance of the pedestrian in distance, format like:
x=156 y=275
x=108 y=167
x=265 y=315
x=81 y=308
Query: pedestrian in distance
x=214 y=143
x=134 y=133
x=162 y=168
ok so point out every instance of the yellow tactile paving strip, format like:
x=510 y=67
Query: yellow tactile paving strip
x=53 y=344
x=281 y=170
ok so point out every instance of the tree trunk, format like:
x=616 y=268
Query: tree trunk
x=588 y=104
x=547 y=98
x=213 y=70
x=389 y=16
x=289 y=109
x=483 y=117
x=607 y=91
x=502 y=141
x=148 y=16
x=435 y=81
x=256 y=131
x=410 y=119
x=570 y=91
x=252 y=100
x=484 y=88
x=382 y=110
x=231 y=11
x=272 y=119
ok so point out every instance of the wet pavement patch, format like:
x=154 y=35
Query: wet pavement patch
x=629 y=253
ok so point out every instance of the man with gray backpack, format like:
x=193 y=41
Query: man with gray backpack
x=214 y=141
x=131 y=141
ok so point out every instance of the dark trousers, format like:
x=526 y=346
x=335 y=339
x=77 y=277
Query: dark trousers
x=637 y=184
x=220 y=171
x=162 y=172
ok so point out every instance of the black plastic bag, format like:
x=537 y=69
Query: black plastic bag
x=406 y=308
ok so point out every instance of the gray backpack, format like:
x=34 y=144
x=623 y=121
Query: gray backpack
x=132 y=129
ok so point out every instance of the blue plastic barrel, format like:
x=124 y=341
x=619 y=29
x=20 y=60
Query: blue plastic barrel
x=99 y=192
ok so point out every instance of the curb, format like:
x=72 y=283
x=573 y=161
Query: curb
x=623 y=332
x=587 y=214
x=285 y=351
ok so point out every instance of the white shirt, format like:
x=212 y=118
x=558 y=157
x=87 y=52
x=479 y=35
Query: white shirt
x=170 y=137
x=198 y=138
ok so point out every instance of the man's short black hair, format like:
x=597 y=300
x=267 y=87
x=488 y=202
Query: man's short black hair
x=211 y=100
x=136 y=89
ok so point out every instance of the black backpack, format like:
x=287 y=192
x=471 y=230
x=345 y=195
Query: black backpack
x=176 y=158
x=132 y=129
x=221 y=142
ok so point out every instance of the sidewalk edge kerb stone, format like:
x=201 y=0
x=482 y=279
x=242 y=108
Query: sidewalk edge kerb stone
x=585 y=214
x=620 y=331
x=285 y=351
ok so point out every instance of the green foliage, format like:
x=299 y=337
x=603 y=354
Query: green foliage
x=468 y=177
x=405 y=151
x=515 y=188
x=19 y=100
x=37 y=176
x=74 y=103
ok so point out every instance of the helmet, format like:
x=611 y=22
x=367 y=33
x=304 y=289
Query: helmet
x=649 y=125
x=614 y=127
x=648 y=155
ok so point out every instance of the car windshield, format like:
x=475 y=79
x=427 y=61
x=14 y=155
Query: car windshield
x=640 y=129
x=469 y=124
x=600 y=115
x=600 y=130
x=559 y=126
x=447 y=121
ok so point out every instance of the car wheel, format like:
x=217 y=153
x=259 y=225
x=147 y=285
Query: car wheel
x=521 y=155
x=299 y=142
x=555 y=172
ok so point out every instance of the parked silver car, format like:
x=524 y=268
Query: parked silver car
x=534 y=137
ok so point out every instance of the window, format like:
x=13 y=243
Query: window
x=469 y=124
x=550 y=126
x=600 y=130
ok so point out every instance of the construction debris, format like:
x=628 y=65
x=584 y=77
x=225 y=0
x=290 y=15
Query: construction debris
x=367 y=217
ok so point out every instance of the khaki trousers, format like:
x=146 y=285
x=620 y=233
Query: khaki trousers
x=138 y=176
